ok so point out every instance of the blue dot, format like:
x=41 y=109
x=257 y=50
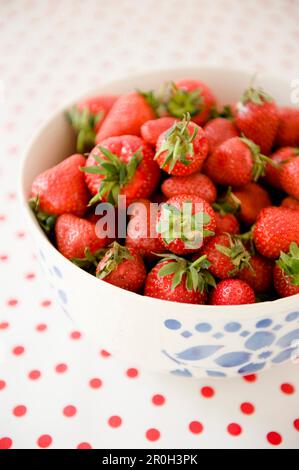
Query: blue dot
x=218 y=335
x=264 y=323
x=277 y=327
x=259 y=340
x=172 y=324
x=232 y=327
x=215 y=373
x=186 y=334
x=292 y=316
x=264 y=355
x=244 y=333
x=57 y=272
x=251 y=368
x=203 y=327
x=62 y=296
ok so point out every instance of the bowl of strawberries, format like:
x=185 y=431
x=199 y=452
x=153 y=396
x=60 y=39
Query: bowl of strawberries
x=165 y=211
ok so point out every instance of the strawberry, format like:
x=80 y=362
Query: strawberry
x=227 y=255
x=235 y=162
x=197 y=184
x=122 y=267
x=151 y=130
x=126 y=116
x=286 y=272
x=226 y=223
x=86 y=118
x=232 y=292
x=193 y=97
x=184 y=221
x=253 y=198
x=141 y=230
x=179 y=280
x=75 y=235
x=291 y=203
x=182 y=149
x=61 y=189
x=281 y=156
x=219 y=130
x=259 y=275
x=289 y=177
x=288 y=128
x=121 y=165
x=275 y=229
x=256 y=116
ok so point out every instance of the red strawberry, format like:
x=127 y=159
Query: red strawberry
x=289 y=177
x=259 y=275
x=291 y=203
x=193 y=97
x=183 y=223
x=182 y=149
x=75 y=235
x=226 y=223
x=281 y=156
x=121 y=165
x=122 y=267
x=179 y=280
x=256 y=116
x=275 y=229
x=226 y=254
x=126 y=116
x=196 y=183
x=286 y=272
x=288 y=129
x=61 y=189
x=141 y=230
x=87 y=116
x=253 y=198
x=151 y=130
x=235 y=162
x=219 y=130
x=232 y=292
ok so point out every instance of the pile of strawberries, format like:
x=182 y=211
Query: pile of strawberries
x=215 y=234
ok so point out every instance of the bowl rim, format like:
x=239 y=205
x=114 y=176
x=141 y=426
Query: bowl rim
x=224 y=312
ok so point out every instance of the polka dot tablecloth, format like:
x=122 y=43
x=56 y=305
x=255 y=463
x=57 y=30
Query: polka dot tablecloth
x=57 y=390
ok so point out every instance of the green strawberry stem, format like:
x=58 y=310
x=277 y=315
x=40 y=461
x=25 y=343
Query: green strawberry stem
x=197 y=275
x=46 y=221
x=259 y=161
x=116 y=174
x=255 y=95
x=182 y=102
x=289 y=263
x=178 y=144
x=226 y=112
x=238 y=254
x=115 y=254
x=229 y=204
x=90 y=260
x=83 y=123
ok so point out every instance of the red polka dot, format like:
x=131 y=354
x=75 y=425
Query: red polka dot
x=195 y=427
x=34 y=374
x=95 y=383
x=19 y=410
x=114 y=421
x=29 y=276
x=12 y=302
x=234 y=429
x=274 y=438
x=247 y=408
x=5 y=443
x=287 y=388
x=20 y=234
x=84 y=445
x=2 y=217
x=69 y=411
x=250 y=378
x=75 y=335
x=132 y=372
x=152 y=434
x=2 y=384
x=207 y=392
x=296 y=424
x=3 y=257
x=46 y=303
x=61 y=368
x=4 y=325
x=158 y=400
x=41 y=327
x=18 y=350
x=104 y=353
x=44 y=441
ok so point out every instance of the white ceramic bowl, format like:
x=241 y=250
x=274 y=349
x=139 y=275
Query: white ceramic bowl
x=186 y=340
